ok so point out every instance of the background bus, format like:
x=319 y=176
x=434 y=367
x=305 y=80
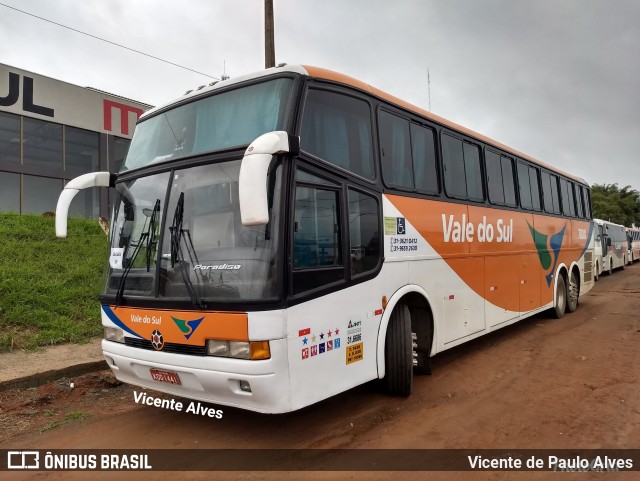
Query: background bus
x=281 y=237
x=612 y=246
x=633 y=250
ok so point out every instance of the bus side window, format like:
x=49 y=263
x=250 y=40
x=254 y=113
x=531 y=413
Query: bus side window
x=508 y=181
x=423 y=150
x=453 y=163
x=546 y=192
x=568 y=206
x=579 y=202
x=364 y=232
x=555 y=194
x=495 y=183
x=317 y=235
x=524 y=186
x=535 y=188
x=337 y=129
x=587 y=204
x=473 y=172
x=462 y=169
x=395 y=150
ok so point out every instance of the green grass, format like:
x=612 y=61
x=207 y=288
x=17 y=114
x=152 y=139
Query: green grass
x=49 y=287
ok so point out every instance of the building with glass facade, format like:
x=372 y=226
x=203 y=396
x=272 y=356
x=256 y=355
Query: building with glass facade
x=52 y=131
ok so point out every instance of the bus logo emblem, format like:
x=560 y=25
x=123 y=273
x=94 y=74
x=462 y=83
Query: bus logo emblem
x=544 y=254
x=157 y=341
x=187 y=327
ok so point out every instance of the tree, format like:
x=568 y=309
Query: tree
x=611 y=203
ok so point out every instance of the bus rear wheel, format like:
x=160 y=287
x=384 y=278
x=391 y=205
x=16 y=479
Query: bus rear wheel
x=561 y=298
x=398 y=353
x=573 y=292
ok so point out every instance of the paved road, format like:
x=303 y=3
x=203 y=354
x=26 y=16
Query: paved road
x=543 y=383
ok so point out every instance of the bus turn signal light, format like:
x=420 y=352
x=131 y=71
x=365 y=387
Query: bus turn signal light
x=260 y=350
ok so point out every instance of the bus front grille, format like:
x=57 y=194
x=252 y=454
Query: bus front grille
x=168 y=347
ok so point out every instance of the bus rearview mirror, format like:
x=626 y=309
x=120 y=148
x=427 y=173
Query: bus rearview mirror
x=254 y=204
x=92 y=179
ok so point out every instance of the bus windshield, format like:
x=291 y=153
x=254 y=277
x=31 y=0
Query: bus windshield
x=200 y=252
x=232 y=118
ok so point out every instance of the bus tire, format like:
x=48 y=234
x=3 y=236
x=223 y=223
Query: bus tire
x=398 y=353
x=422 y=332
x=561 y=298
x=595 y=275
x=624 y=262
x=573 y=292
x=611 y=266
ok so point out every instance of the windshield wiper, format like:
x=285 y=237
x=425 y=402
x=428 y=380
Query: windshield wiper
x=148 y=234
x=177 y=232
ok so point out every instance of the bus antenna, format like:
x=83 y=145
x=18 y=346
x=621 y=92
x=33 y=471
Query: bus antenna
x=429 y=88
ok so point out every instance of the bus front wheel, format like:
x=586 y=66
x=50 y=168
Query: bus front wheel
x=561 y=298
x=398 y=353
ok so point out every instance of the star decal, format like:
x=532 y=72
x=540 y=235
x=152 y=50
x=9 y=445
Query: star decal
x=329 y=333
x=337 y=331
x=321 y=335
x=305 y=341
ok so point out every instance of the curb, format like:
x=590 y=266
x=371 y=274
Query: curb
x=38 y=379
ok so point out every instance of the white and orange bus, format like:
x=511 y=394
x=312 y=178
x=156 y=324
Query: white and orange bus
x=282 y=237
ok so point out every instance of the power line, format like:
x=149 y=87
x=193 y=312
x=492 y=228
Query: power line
x=110 y=42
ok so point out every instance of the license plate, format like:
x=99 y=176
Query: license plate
x=164 y=376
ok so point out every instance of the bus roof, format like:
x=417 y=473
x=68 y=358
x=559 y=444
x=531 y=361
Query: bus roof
x=329 y=75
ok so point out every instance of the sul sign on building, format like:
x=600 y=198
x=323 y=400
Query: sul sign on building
x=33 y=95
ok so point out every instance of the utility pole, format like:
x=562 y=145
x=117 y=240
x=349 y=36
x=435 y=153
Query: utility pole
x=269 y=43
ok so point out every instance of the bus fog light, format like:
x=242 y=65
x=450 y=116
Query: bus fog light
x=239 y=350
x=245 y=386
x=217 y=348
x=114 y=334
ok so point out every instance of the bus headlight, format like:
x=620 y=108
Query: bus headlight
x=254 y=350
x=114 y=334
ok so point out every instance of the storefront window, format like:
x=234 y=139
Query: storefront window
x=40 y=194
x=82 y=152
x=10 y=137
x=9 y=192
x=42 y=143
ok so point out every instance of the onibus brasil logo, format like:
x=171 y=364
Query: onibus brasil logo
x=548 y=245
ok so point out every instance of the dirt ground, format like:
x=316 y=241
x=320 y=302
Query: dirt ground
x=540 y=384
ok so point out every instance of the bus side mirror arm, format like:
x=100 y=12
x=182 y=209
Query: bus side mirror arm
x=252 y=183
x=93 y=179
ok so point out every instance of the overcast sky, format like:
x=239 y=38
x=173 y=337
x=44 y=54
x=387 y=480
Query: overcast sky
x=556 y=79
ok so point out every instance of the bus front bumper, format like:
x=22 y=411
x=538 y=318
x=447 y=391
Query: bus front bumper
x=207 y=378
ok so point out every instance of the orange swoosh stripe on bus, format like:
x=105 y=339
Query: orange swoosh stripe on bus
x=509 y=274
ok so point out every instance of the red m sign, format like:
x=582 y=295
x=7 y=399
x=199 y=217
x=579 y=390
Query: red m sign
x=125 y=110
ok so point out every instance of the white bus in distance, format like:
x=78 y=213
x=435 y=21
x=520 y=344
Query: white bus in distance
x=611 y=246
x=633 y=238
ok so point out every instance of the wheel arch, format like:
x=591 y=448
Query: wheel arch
x=563 y=271
x=575 y=267
x=415 y=297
